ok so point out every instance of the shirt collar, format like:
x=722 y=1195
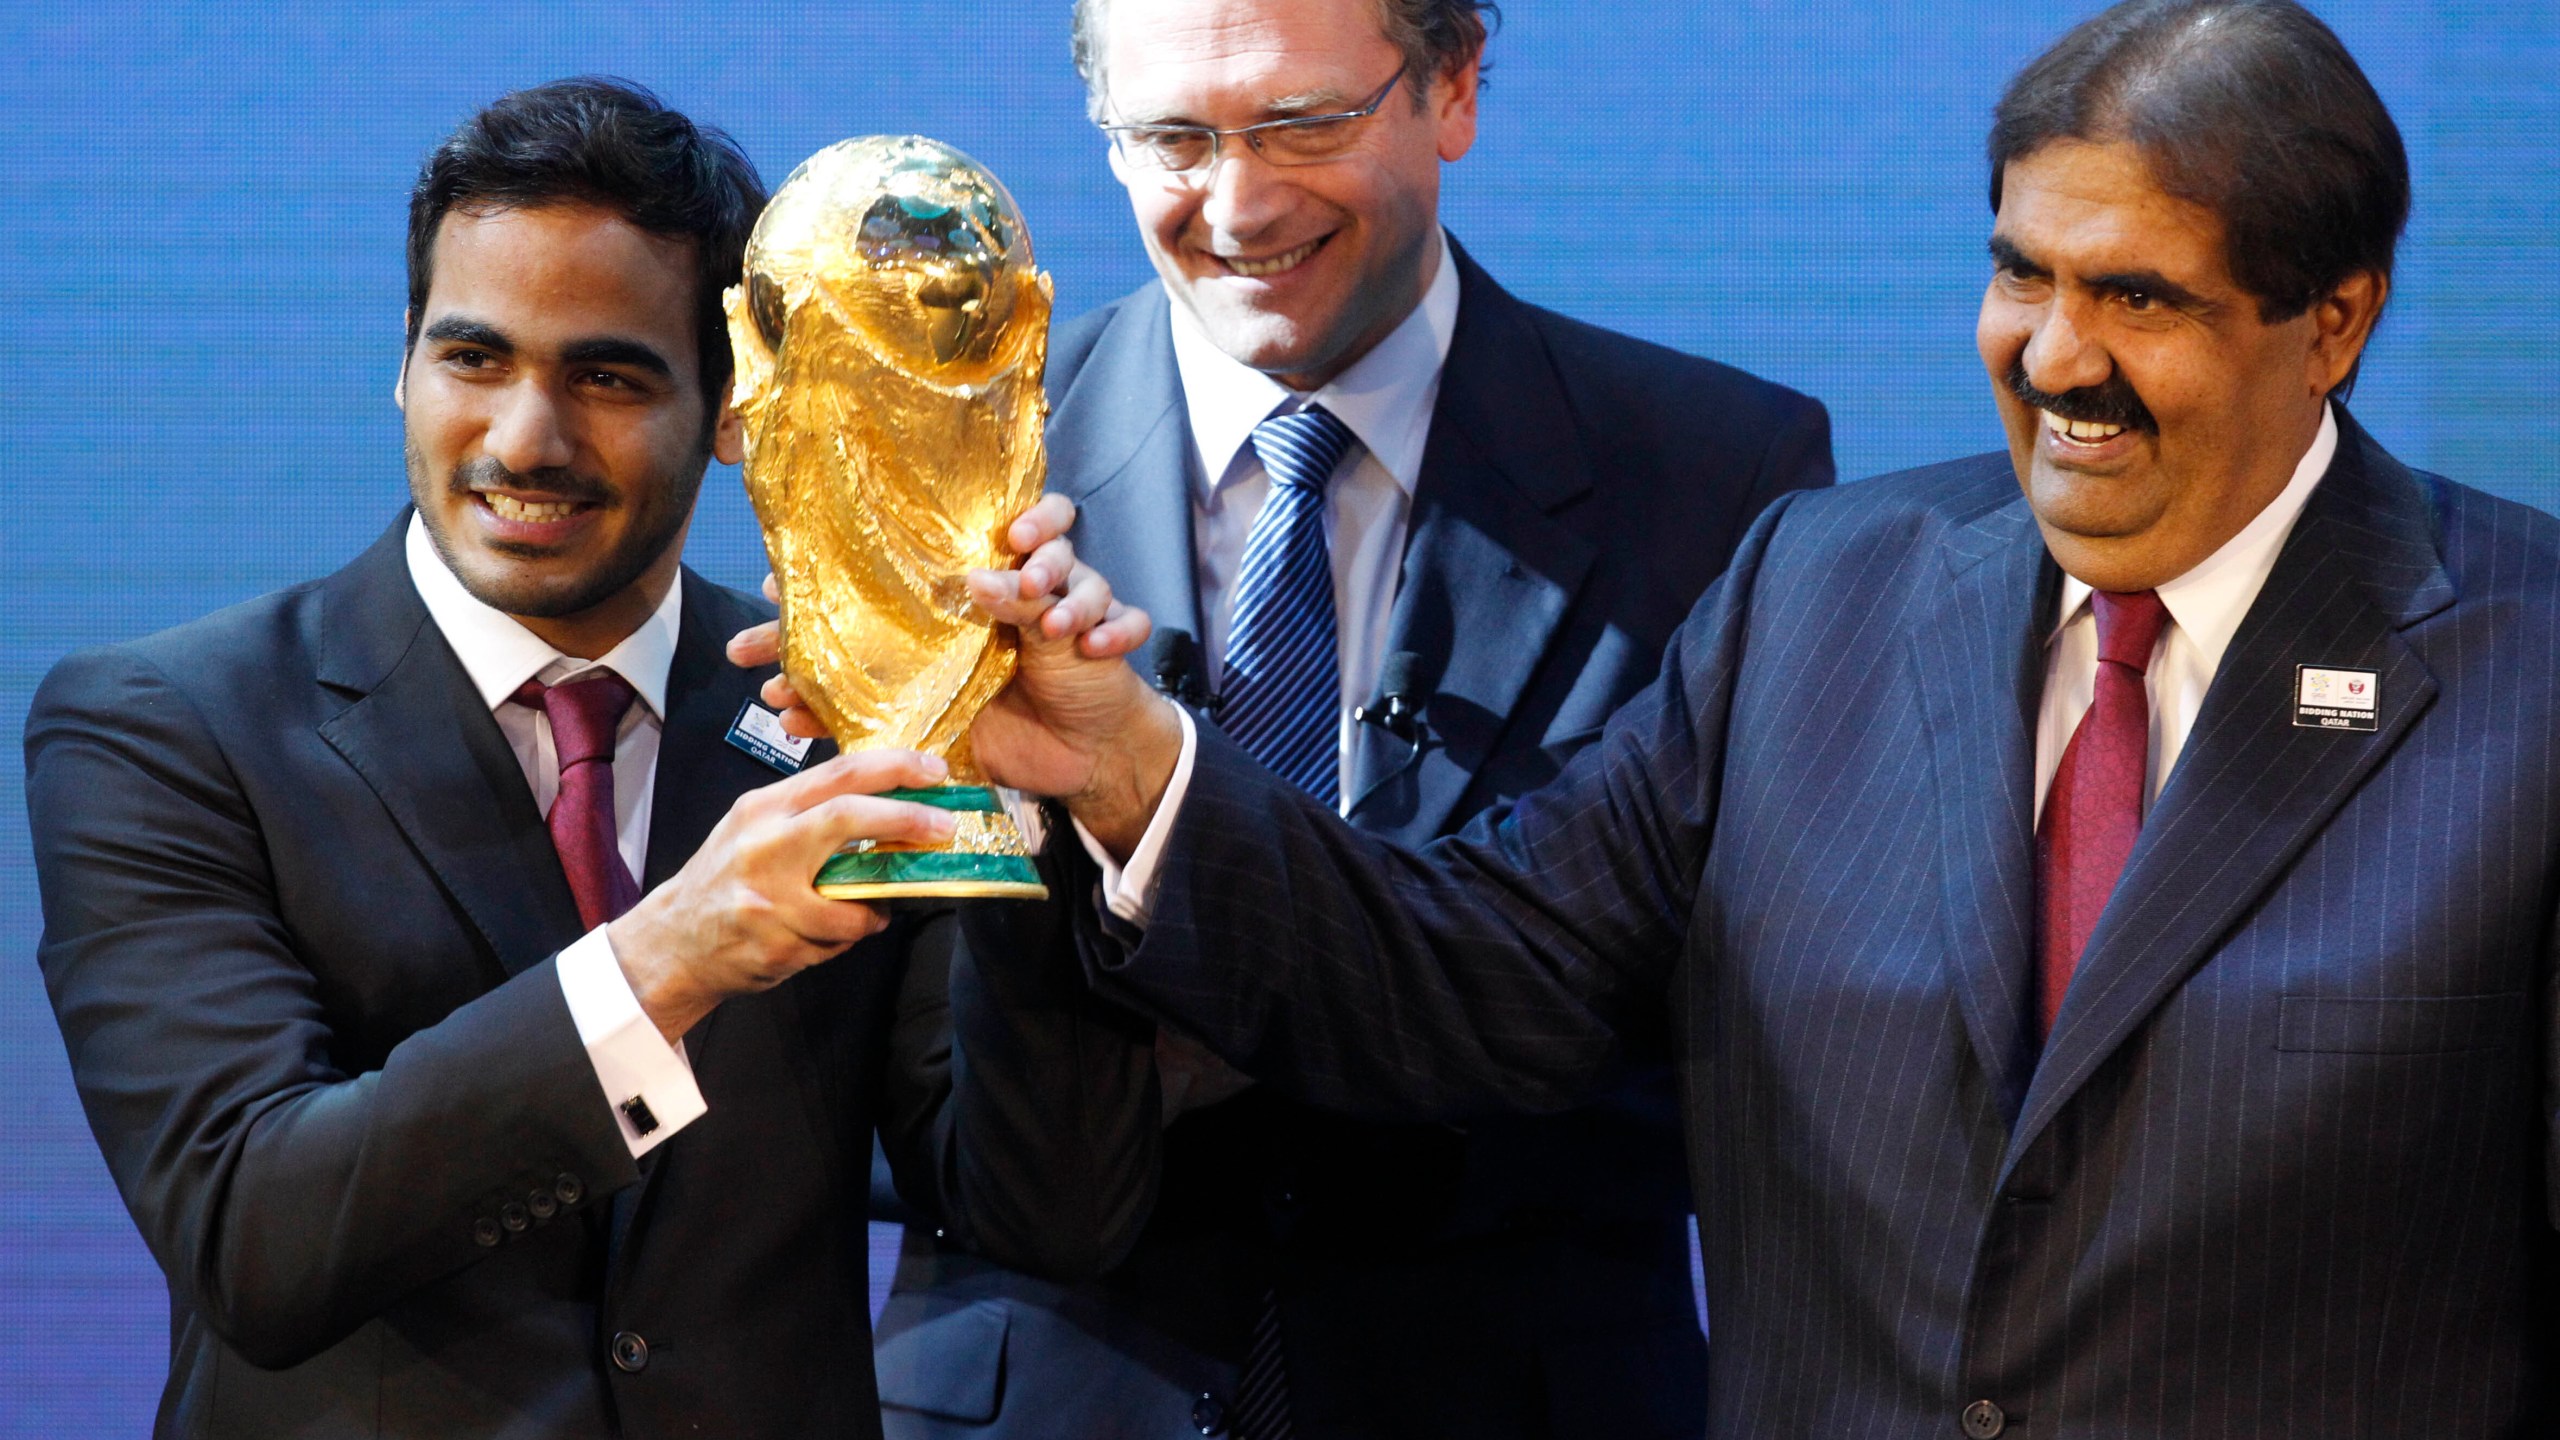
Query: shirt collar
x=1385 y=398
x=2209 y=601
x=499 y=654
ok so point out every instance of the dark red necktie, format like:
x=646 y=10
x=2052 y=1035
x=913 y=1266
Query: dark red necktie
x=2093 y=810
x=586 y=716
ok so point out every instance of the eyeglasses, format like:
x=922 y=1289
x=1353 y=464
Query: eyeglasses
x=1299 y=140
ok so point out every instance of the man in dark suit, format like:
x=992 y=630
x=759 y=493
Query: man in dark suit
x=1509 y=513
x=2104 y=933
x=433 y=1130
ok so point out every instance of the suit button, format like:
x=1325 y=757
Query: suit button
x=542 y=1205
x=568 y=1189
x=1209 y=1415
x=1983 y=1420
x=513 y=1216
x=485 y=1231
x=630 y=1353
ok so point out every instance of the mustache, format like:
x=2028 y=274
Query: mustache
x=2112 y=403
x=487 y=473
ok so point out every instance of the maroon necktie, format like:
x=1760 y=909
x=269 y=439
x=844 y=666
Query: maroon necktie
x=2093 y=810
x=586 y=715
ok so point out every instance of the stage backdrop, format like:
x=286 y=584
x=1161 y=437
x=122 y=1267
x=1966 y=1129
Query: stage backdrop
x=201 y=214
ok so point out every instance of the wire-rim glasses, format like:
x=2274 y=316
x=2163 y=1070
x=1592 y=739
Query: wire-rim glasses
x=1298 y=140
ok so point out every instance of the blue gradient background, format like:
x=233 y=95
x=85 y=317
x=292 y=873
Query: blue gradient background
x=201 y=212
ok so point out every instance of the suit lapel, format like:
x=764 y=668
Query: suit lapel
x=1119 y=445
x=2251 y=788
x=1488 y=571
x=1977 y=660
x=421 y=738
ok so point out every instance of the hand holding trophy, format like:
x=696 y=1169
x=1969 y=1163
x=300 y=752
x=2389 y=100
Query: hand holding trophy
x=890 y=337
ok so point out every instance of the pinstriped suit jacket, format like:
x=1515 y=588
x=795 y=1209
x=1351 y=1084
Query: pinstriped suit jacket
x=2283 y=1168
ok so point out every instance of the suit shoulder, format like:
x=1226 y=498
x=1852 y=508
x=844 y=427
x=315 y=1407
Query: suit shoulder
x=255 y=641
x=1906 y=507
x=2490 y=543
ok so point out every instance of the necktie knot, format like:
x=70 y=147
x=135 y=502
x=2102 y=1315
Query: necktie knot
x=586 y=713
x=2129 y=626
x=1300 y=451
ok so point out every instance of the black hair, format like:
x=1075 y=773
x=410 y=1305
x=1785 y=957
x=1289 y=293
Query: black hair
x=2250 y=108
x=608 y=143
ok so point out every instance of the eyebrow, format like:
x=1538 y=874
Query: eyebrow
x=2006 y=255
x=470 y=332
x=614 y=350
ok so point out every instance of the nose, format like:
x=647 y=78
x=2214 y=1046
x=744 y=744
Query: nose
x=1242 y=193
x=2061 y=353
x=530 y=432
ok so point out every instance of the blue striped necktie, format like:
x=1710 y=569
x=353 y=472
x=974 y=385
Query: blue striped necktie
x=1283 y=688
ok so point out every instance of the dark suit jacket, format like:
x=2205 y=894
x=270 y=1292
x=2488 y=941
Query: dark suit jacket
x=299 y=918
x=1519 y=1276
x=2281 y=1169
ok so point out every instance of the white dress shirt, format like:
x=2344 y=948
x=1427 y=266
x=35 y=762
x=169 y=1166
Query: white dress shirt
x=631 y=1058
x=1385 y=398
x=2205 y=605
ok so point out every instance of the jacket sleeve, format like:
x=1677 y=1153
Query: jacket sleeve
x=287 y=1200
x=1024 y=1115
x=1514 y=966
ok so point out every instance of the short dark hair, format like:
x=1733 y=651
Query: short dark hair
x=608 y=143
x=1436 y=36
x=2250 y=108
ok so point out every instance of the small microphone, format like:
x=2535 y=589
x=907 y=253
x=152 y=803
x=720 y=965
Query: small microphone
x=1174 y=660
x=1401 y=696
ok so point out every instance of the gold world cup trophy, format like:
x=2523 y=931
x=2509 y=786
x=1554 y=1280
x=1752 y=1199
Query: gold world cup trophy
x=890 y=338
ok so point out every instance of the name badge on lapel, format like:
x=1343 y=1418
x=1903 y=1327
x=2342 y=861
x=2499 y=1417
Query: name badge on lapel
x=2331 y=699
x=759 y=732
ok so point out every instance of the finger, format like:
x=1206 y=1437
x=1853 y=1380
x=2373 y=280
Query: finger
x=857 y=772
x=772 y=589
x=756 y=646
x=999 y=594
x=1048 y=568
x=834 y=926
x=1121 y=633
x=779 y=692
x=802 y=721
x=828 y=827
x=1087 y=604
x=1045 y=521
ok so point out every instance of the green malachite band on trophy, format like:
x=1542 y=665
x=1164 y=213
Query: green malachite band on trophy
x=911 y=868
x=966 y=799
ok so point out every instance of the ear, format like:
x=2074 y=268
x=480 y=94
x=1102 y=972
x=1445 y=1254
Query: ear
x=400 y=378
x=1452 y=105
x=728 y=433
x=2341 y=323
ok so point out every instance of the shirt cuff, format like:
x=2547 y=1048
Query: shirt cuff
x=1129 y=891
x=648 y=1082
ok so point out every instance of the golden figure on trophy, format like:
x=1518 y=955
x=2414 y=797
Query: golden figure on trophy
x=890 y=338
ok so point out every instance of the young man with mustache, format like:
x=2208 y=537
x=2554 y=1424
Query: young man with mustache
x=451 y=1003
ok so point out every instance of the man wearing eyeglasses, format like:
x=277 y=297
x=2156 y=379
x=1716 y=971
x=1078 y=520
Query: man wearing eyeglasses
x=1409 y=540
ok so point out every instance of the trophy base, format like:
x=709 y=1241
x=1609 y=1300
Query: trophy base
x=986 y=859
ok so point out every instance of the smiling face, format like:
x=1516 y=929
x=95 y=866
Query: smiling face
x=2151 y=411
x=555 y=417
x=1296 y=271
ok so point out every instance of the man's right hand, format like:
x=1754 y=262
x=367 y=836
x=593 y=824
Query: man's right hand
x=743 y=915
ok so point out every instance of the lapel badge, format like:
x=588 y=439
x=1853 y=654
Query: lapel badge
x=2327 y=698
x=759 y=732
